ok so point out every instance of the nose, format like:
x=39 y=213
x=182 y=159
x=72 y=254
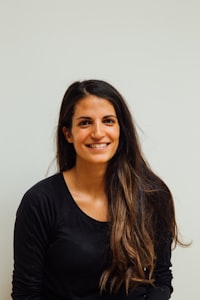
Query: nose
x=97 y=130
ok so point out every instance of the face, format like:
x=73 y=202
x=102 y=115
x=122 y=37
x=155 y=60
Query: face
x=95 y=130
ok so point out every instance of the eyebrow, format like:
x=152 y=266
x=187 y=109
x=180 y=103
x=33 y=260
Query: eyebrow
x=89 y=118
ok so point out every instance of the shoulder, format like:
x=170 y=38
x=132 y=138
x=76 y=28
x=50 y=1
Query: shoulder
x=158 y=191
x=49 y=186
x=46 y=184
x=46 y=192
x=160 y=203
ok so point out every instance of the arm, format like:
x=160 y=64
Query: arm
x=164 y=228
x=162 y=288
x=31 y=237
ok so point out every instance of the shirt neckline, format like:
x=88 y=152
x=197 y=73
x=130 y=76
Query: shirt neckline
x=76 y=205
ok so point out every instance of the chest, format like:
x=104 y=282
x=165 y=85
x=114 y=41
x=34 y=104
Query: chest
x=79 y=245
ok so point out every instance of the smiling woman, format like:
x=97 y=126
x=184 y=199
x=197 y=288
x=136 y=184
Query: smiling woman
x=103 y=226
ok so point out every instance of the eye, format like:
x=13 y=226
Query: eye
x=109 y=121
x=84 y=123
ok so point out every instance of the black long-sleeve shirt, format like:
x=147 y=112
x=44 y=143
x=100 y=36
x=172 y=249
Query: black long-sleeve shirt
x=60 y=252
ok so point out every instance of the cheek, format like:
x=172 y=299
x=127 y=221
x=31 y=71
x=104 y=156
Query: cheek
x=118 y=137
x=116 y=134
x=79 y=136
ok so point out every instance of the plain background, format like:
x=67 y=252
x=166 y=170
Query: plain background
x=150 y=51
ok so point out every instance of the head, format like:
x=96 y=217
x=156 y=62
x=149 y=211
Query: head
x=128 y=145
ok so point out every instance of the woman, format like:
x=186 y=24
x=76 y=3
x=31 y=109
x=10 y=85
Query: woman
x=103 y=226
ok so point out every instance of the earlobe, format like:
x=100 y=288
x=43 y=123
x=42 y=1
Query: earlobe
x=67 y=134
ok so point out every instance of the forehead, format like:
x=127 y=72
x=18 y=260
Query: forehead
x=92 y=105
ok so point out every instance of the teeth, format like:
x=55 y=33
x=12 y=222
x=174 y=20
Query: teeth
x=98 y=146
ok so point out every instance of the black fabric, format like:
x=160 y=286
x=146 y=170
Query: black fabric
x=60 y=252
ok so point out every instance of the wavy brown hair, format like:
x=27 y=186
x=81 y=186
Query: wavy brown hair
x=140 y=204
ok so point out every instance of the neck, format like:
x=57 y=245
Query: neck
x=90 y=176
x=87 y=186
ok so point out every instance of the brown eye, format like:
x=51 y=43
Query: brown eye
x=109 y=121
x=84 y=123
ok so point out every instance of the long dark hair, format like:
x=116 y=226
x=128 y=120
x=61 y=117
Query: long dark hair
x=140 y=203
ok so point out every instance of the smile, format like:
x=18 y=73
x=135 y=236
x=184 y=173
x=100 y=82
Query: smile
x=98 y=146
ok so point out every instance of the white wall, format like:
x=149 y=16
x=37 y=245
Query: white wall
x=150 y=51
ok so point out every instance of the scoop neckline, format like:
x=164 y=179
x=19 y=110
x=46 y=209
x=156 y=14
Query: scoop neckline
x=76 y=205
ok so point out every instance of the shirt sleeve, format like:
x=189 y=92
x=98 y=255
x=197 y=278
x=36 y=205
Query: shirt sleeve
x=31 y=238
x=162 y=288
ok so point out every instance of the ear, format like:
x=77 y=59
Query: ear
x=67 y=134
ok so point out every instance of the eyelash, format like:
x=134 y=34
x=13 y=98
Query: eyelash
x=85 y=123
